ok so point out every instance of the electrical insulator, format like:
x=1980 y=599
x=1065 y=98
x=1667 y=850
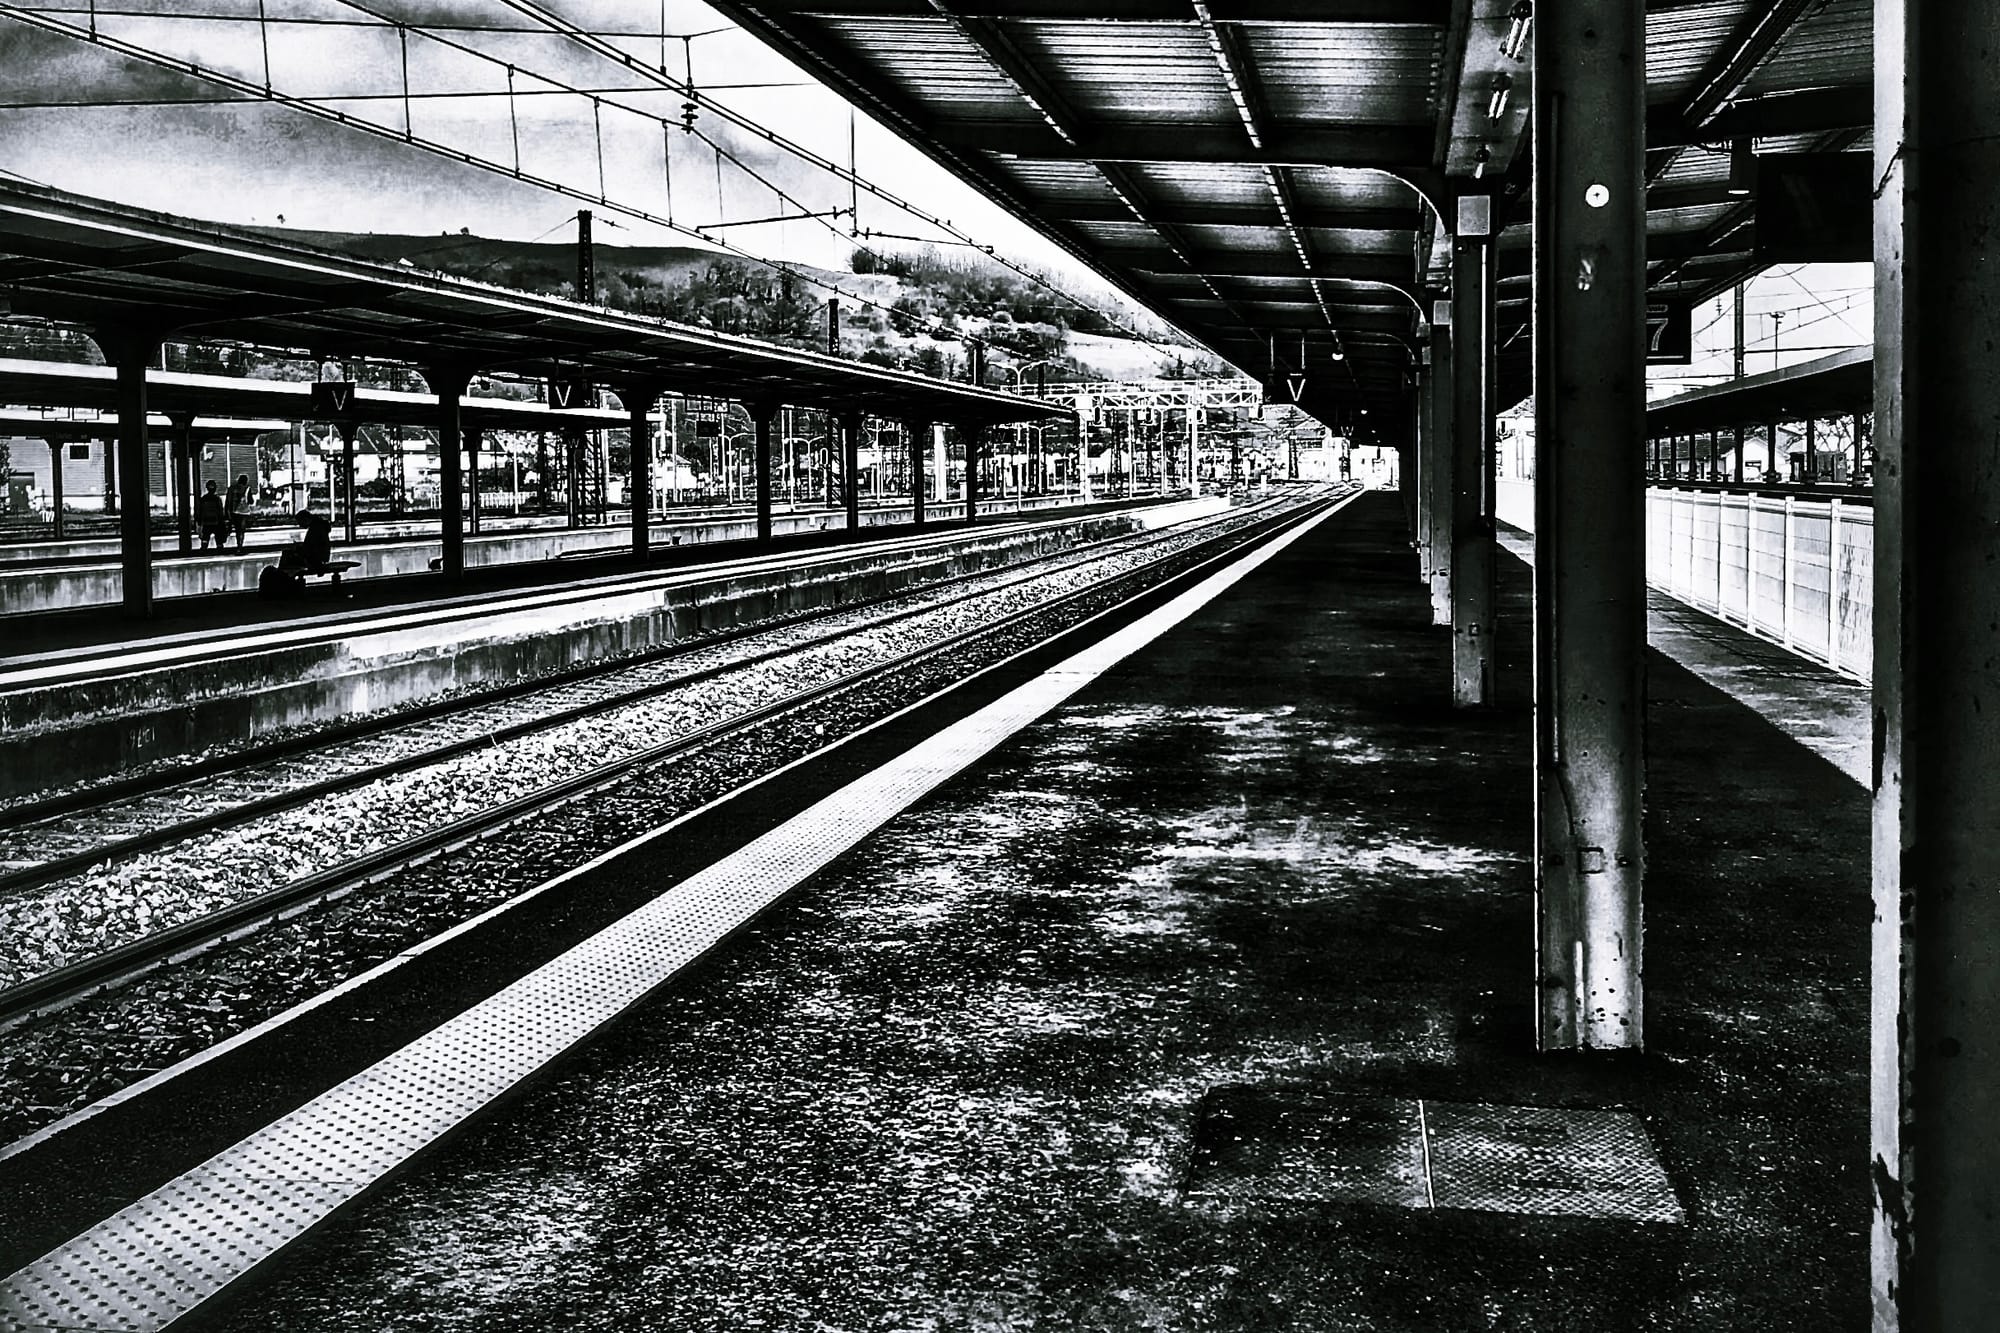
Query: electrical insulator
x=689 y=111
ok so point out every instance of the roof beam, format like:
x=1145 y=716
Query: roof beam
x=1673 y=128
x=1225 y=264
x=1808 y=111
x=1398 y=13
x=1391 y=220
x=1394 y=147
x=1734 y=64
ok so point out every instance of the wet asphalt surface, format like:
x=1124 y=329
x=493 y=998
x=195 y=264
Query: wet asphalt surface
x=951 y=1083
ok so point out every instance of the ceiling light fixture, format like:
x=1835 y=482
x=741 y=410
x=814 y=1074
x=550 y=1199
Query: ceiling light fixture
x=1514 y=45
x=1496 y=106
x=1742 y=167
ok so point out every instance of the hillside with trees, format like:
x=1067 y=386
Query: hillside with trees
x=918 y=309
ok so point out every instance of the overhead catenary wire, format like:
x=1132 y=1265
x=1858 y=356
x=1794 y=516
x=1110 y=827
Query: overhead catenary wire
x=595 y=43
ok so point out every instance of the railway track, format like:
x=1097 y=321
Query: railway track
x=113 y=968
x=76 y=832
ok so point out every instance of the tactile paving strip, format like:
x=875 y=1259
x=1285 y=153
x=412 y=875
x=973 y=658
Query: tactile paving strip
x=1289 y=1144
x=164 y=1256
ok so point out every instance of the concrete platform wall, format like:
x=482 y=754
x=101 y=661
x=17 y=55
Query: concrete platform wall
x=90 y=722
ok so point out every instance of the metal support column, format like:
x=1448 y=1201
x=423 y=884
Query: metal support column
x=473 y=505
x=1420 y=459
x=1590 y=586
x=974 y=436
x=1472 y=523
x=180 y=476
x=1437 y=463
x=761 y=415
x=639 y=400
x=56 y=461
x=351 y=497
x=448 y=382
x=850 y=466
x=1935 y=1160
x=132 y=353
x=919 y=432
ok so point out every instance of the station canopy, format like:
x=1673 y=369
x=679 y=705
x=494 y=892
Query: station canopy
x=1270 y=174
x=105 y=266
x=1830 y=386
x=63 y=385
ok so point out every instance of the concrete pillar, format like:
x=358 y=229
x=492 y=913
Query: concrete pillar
x=639 y=400
x=1935 y=1066
x=131 y=354
x=448 y=383
x=919 y=433
x=1472 y=526
x=850 y=466
x=1737 y=453
x=1590 y=604
x=761 y=415
x=180 y=477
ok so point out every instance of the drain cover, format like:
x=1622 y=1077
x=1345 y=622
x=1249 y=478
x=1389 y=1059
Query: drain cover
x=1536 y=1159
x=1263 y=1143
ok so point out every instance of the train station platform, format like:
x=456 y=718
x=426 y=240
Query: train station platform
x=1204 y=1004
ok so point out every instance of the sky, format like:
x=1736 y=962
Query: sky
x=260 y=163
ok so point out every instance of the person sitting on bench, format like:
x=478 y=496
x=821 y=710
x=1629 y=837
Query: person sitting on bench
x=313 y=551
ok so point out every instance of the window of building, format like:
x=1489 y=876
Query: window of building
x=80 y=452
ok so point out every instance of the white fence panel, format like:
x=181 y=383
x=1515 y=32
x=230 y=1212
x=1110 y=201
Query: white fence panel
x=1794 y=570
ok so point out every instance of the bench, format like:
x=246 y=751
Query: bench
x=277 y=579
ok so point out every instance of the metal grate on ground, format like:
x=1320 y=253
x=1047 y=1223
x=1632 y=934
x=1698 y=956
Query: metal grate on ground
x=1297 y=1145
x=164 y=1256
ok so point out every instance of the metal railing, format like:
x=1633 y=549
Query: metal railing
x=1792 y=569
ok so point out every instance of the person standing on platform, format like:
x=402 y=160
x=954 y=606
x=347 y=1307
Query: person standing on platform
x=236 y=508
x=211 y=517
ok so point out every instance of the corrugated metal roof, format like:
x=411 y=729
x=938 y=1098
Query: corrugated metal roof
x=1249 y=139
x=1681 y=42
x=1318 y=72
x=1832 y=46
